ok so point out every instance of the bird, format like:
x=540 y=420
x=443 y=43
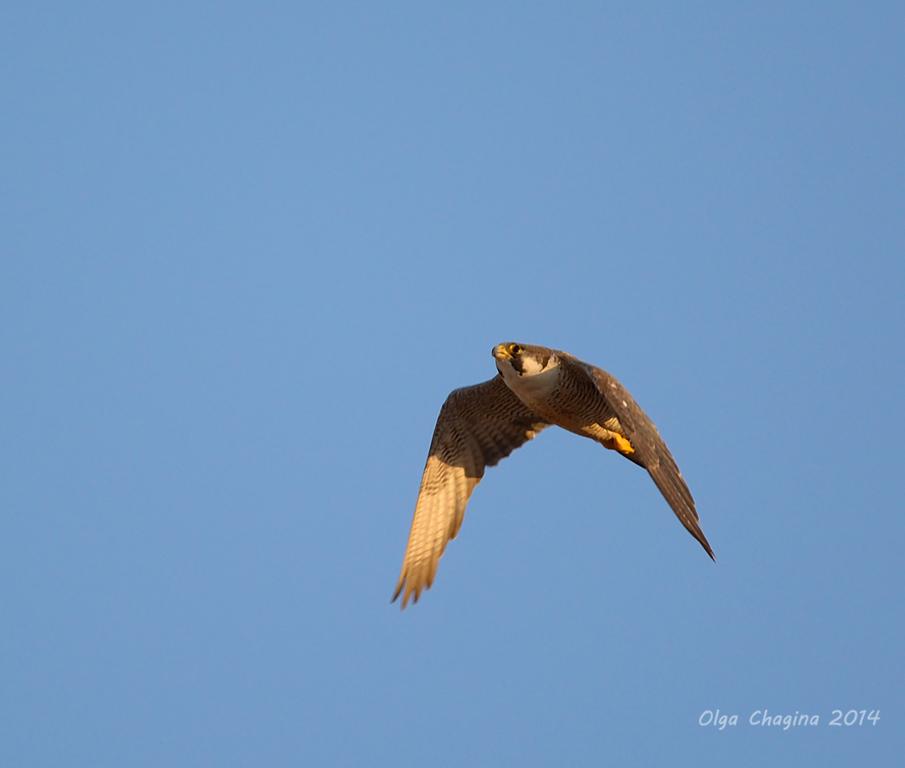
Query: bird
x=535 y=388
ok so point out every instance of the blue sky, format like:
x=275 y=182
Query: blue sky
x=248 y=250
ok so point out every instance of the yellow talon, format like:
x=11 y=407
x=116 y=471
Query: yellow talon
x=619 y=443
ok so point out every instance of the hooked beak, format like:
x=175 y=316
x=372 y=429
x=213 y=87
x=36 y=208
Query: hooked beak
x=499 y=352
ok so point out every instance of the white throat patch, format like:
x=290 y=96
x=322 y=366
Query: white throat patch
x=532 y=367
x=535 y=382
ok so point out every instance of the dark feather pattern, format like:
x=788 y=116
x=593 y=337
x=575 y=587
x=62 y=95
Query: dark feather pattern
x=477 y=427
x=650 y=451
x=480 y=425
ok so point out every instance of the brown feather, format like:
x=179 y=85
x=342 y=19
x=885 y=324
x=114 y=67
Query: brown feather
x=651 y=451
x=477 y=427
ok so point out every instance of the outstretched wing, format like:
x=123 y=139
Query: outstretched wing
x=477 y=427
x=649 y=449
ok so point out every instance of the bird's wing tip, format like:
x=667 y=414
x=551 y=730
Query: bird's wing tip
x=398 y=591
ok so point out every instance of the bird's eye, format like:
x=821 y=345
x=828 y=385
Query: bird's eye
x=514 y=349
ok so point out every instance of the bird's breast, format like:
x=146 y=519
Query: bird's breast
x=536 y=390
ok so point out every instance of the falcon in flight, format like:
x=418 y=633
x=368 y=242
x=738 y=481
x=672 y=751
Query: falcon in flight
x=479 y=425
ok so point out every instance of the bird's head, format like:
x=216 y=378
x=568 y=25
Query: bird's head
x=523 y=359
